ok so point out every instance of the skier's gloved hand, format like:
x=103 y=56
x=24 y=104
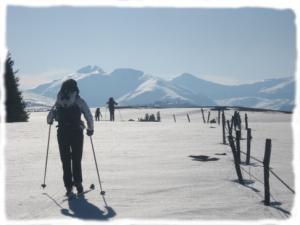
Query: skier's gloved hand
x=89 y=132
x=50 y=122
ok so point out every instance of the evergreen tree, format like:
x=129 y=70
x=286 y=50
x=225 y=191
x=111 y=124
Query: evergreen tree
x=15 y=106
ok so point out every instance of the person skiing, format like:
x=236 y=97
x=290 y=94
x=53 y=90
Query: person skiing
x=158 y=116
x=98 y=114
x=111 y=106
x=67 y=112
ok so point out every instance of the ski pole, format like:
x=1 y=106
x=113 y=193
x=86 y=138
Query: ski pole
x=44 y=185
x=102 y=192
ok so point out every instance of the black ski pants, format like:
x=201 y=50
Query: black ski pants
x=70 y=142
x=112 y=114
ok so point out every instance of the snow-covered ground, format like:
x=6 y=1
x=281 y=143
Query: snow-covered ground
x=147 y=171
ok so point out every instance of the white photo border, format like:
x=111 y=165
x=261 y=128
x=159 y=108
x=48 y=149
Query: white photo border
x=275 y=4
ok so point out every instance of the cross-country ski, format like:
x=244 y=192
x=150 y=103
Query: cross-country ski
x=71 y=196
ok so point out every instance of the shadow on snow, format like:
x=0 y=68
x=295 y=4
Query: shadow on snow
x=203 y=158
x=81 y=208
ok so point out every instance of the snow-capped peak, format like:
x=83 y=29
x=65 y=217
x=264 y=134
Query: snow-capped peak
x=80 y=74
x=90 y=69
x=152 y=87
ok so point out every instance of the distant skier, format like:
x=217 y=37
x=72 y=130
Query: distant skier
x=98 y=114
x=67 y=111
x=237 y=120
x=158 y=116
x=111 y=106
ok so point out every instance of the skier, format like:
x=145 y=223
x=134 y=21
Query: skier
x=98 y=114
x=67 y=112
x=158 y=116
x=111 y=106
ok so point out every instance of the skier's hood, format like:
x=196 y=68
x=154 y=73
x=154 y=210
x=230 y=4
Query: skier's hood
x=66 y=100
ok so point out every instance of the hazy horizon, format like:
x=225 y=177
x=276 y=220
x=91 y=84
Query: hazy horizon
x=227 y=46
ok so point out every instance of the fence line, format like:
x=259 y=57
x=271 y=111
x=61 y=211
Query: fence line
x=273 y=173
x=226 y=130
x=285 y=184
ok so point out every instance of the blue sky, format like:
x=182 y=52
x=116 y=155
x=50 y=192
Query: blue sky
x=229 y=46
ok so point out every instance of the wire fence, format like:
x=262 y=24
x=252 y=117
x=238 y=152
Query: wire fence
x=229 y=132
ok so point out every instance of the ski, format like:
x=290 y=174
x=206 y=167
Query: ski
x=92 y=187
x=74 y=196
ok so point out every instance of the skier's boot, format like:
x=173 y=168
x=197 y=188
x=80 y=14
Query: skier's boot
x=79 y=188
x=69 y=192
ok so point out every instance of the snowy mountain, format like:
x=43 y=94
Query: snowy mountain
x=36 y=102
x=132 y=87
x=50 y=89
x=159 y=92
x=276 y=94
x=127 y=86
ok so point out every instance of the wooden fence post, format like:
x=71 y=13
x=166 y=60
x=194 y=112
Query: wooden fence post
x=203 y=115
x=239 y=121
x=237 y=165
x=229 y=128
x=249 y=137
x=246 y=121
x=174 y=117
x=208 y=116
x=239 y=124
x=266 y=171
x=223 y=127
x=238 y=146
x=219 y=112
x=188 y=117
x=232 y=122
x=234 y=119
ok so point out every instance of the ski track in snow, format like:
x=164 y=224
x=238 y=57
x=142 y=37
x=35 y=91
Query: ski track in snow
x=146 y=169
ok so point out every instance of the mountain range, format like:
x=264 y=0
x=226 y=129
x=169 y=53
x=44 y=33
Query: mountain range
x=132 y=87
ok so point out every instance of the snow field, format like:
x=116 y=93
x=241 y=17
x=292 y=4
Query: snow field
x=146 y=169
